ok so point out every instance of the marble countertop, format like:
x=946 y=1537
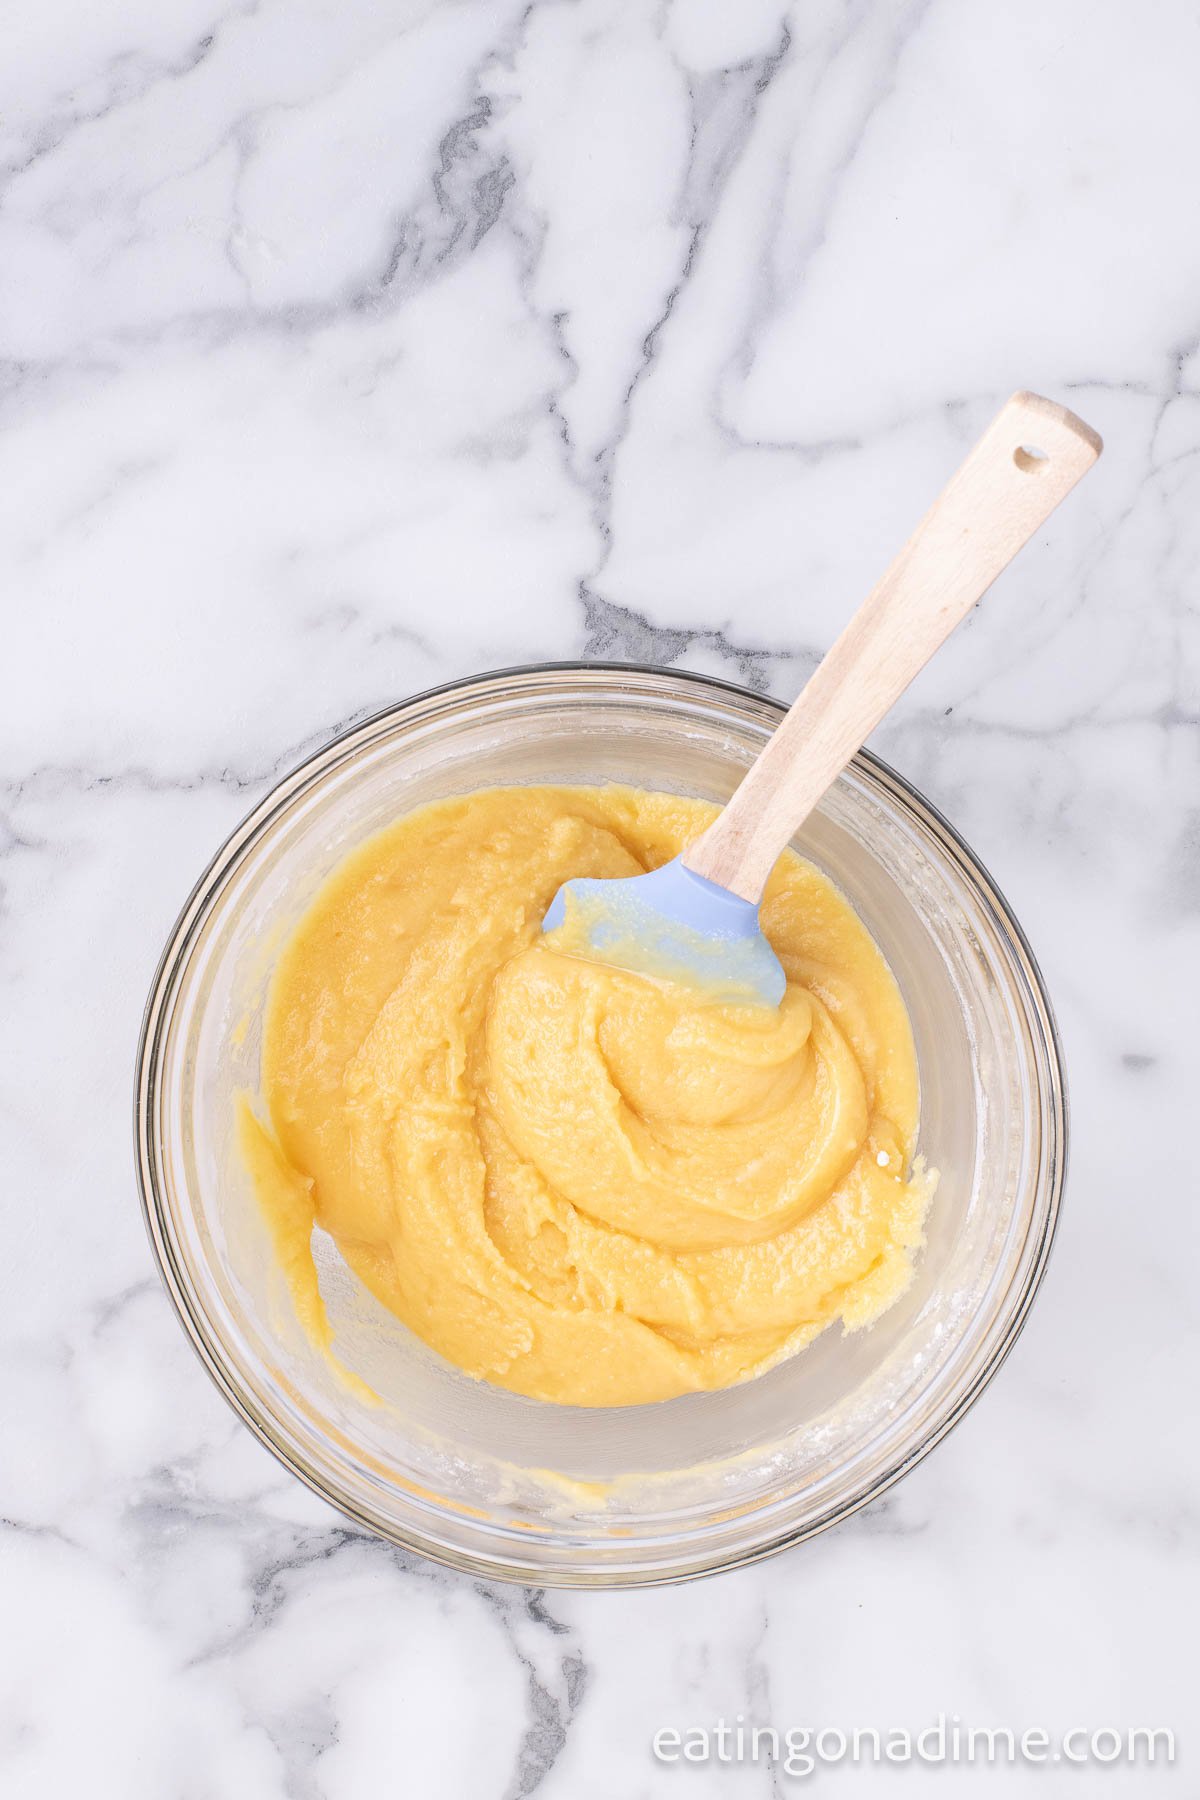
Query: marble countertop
x=348 y=346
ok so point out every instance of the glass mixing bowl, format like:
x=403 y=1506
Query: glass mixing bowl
x=518 y=1489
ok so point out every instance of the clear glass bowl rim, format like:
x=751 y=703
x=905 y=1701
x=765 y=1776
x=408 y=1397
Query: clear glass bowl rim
x=148 y=1073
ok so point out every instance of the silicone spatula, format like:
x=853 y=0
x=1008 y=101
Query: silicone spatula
x=696 y=918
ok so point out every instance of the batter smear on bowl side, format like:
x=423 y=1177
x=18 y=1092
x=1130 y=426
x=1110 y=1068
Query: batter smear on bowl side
x=575 y=1182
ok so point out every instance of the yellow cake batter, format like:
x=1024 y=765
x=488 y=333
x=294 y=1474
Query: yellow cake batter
x=578 y=1183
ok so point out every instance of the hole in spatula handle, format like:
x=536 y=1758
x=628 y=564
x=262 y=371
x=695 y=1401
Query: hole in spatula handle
x=1031 y=458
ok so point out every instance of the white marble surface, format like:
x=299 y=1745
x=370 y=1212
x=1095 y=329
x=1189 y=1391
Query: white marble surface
x=351 y=345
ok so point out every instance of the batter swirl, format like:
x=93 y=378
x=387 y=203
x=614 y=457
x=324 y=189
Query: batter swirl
x=577 y=1183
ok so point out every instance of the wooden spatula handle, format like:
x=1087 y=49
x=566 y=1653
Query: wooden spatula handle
x=1028 y=459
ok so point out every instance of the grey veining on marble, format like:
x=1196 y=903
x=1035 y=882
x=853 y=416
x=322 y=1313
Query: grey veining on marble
x=347 y=348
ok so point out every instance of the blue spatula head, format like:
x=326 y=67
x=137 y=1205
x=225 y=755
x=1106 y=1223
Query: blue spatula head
x=673 y=925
